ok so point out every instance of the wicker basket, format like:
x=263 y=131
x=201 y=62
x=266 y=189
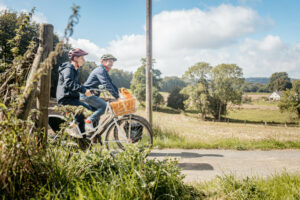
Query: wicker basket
x=123 y=106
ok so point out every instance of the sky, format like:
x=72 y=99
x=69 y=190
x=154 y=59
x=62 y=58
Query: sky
x=260 y=36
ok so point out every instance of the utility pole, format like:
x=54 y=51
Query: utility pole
x=149 y=60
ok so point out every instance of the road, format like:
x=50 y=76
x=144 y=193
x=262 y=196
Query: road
x=203 y=165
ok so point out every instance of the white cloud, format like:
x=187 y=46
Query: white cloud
x=2 y=6
x=215 y=28
x=94 y=51
x=218 y=35
x=39 y=17
x=262 y=58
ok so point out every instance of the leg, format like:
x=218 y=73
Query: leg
x=98 y=104
x=78 y=118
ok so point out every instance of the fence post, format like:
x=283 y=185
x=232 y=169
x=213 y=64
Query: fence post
x=31 y=84
x=45 y=82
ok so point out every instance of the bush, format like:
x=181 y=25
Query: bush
x=58 y=172
x=175 y=99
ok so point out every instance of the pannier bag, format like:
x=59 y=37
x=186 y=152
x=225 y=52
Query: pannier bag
x=136 y=131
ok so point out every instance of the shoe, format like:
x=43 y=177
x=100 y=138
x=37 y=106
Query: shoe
x=88 y=125
x=74 y=131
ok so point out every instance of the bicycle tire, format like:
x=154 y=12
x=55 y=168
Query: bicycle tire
x=54 y=135
x=138 y=133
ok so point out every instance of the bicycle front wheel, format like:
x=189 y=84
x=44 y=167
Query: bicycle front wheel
x=129 y=130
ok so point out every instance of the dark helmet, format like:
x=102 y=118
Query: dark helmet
x=108 y=56
x=76 y=52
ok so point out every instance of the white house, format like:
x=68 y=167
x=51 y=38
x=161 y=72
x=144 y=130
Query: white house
x=275 y=96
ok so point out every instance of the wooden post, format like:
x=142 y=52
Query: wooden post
x=31 y=84
x=149 y=60
x=45 y=82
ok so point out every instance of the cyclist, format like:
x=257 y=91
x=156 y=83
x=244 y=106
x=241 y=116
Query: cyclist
x=68 y=87
x=99 y=76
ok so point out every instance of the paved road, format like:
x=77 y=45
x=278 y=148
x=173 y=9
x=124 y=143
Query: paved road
x=203 y=165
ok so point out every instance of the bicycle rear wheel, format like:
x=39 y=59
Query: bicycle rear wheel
x=129 y=130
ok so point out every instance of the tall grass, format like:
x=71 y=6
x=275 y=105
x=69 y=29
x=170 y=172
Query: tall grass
x=276 y=187
x=61 y=173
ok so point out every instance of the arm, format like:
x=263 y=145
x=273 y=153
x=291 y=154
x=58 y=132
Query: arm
x=104 y=79
x=70 y=83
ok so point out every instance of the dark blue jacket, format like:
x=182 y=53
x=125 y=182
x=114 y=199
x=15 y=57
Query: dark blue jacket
x=99 y=76
x=68 y=86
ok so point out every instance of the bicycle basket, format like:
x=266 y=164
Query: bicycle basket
x=123 y=106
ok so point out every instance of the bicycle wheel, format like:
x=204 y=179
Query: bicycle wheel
x=55 y=136
x=129 y=130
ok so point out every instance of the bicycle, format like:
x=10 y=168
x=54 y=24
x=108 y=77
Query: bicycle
x=118 y=126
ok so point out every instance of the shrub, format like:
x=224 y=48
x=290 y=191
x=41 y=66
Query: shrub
x=176 y=99
x=58 y=172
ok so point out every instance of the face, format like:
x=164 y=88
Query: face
x=108 y=63
x=80 y=60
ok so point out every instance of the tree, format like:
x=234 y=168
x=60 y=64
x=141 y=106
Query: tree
x=279 y=81
x=210 y=89
x=255 y=87
x=197 y=90
x=85 y=71
x=226 y=86
x=158 y=99
x=9 y=22
x=138 y=85
x=176 y=99
x=171 y=82
x=121 y=78
x=290 y=100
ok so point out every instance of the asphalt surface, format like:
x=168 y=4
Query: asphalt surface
x=203 y=165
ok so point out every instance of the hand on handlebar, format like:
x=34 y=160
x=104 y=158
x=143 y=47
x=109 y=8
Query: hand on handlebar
x=88 y=93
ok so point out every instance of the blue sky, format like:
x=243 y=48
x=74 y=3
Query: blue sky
x=261 y=36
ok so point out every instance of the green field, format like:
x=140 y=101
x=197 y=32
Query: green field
x=259 y=115
x=258 y=125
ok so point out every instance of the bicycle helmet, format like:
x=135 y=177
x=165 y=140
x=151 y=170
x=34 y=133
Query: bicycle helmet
x=108 y=56
x=76 y=52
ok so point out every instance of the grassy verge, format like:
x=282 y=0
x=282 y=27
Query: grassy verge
x=67 y=174
x=279 y=186
x=166 y=138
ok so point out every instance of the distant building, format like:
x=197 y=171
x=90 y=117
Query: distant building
x=275 y=96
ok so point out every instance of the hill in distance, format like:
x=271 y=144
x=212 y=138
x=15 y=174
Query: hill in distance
x=262 y=80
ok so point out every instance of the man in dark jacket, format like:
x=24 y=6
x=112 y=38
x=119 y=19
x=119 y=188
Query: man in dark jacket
x=68 y=87
x=99 y=76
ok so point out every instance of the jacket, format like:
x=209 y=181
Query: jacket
x=99 y=76
x=68 y=86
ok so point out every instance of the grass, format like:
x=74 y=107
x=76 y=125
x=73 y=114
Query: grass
x=246 y=130
x=275 y=187
x=67 y=174
x=259 y=116
x=165 y=138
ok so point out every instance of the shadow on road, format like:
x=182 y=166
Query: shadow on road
x=195 y=166
x=183 y=155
